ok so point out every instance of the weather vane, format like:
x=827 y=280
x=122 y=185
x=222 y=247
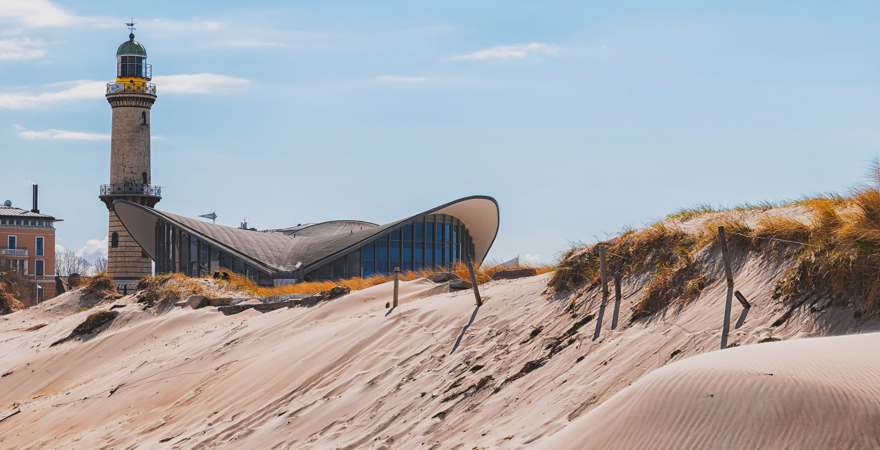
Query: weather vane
x=130 y=25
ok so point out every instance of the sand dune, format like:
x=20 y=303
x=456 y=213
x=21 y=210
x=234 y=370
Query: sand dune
x=818 y=393
x=524 y=373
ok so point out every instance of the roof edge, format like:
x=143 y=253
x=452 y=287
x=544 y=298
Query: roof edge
x=261 y=265
x=355 y=245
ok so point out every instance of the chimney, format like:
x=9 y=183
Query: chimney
x=36 y=208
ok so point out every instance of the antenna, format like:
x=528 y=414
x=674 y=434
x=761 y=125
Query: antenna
x=131 y=27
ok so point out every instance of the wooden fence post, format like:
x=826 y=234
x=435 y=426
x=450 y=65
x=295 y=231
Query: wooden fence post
x=470 y=265
x=604 y=275
x=396 y=285
x=617 y=297
x=728 y=273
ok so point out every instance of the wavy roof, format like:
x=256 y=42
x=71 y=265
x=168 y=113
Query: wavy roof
x=313 y=245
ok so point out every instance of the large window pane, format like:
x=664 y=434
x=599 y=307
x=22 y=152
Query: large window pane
x=338 y=268
x=429 y=244
x=382 y=254
x=419 y=232
x=418 y=255
x=394 y=257
x=447 y=247
x=438 y=229
x=438 y=254
x=455 y=254
x=367 y=260
x=407 y=256
x=429 y=255
x=354 y=264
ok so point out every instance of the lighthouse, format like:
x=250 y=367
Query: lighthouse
x=131 y=96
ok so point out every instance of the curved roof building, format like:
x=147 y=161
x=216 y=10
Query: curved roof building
x=440 y=237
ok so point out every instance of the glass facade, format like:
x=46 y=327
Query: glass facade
x=432 y=242
x=179 y=251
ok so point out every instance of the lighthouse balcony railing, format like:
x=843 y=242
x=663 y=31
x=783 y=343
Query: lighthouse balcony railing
x=125 y=88
x=131 y=189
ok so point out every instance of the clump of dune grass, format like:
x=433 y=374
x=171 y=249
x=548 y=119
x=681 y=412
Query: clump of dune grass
x=781 y=230
x=100 y=284
x=663 y=251
x=681 y=284
x=739 y=234
x=634 y=252
x=669 y=252
x=576 y=268
x=9 y=304
x=659 y=245
x=166 y=289
x=842 y=257
x=13 y=289
x=686 y=214
x=244 y=284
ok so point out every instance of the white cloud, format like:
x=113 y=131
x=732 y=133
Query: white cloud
x=200 y=83
x=44 y=14
x=24 y=48
x=35 y=13
x=94 y=249
x=402 y=79
x=53 y=134
x=510 y=52
x=75 y=90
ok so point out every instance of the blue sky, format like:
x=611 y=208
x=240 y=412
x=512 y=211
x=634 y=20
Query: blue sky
x=581 y=118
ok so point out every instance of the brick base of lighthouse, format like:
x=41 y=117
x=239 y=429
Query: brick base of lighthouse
x=127 y=263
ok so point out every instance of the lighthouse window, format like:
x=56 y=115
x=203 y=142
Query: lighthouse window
x=143 y=118
x=131 y=66
x=114 y=240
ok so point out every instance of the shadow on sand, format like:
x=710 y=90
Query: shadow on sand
x=464 y=330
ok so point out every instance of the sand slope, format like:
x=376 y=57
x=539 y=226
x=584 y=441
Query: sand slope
x=345 y=375
x=819 y=393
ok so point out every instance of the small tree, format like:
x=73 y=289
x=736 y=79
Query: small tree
x=68 y=263
x=100 y=265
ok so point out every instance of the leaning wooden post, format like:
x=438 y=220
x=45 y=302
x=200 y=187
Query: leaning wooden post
x=604 y=275
x=396 y=285
x=617 y=298
x=473 y=274
x=728 y=273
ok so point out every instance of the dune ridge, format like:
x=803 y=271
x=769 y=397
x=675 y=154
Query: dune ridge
x=521 y=371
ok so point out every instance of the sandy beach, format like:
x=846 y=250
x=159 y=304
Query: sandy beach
x=525 y=372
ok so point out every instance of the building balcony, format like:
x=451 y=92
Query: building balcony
x=14 y=252
x=126 y=88
x=122 y=190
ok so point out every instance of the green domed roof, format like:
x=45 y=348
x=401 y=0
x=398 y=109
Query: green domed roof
x=131 y=47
